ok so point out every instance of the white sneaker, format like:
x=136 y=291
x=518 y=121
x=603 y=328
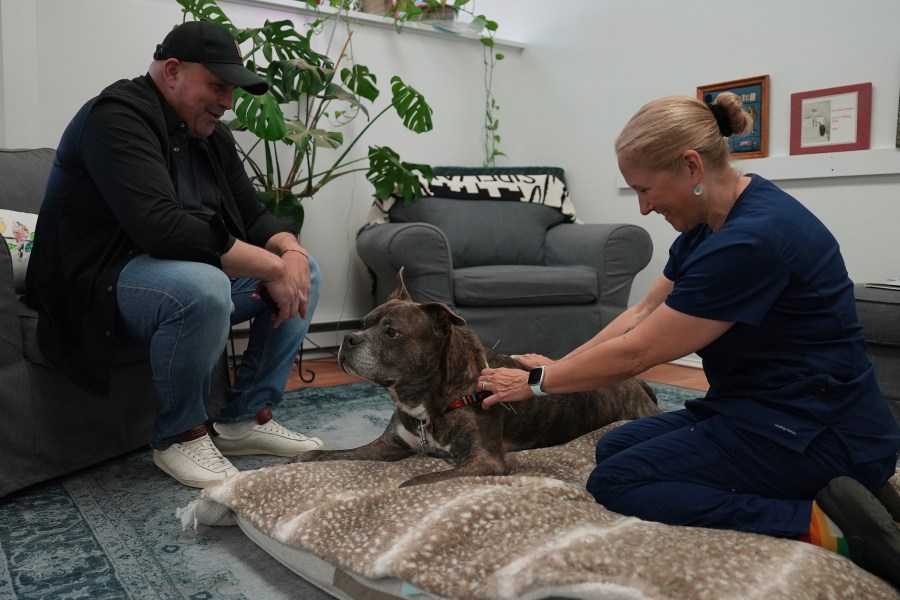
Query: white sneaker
x=265 y=437
x=195 y=463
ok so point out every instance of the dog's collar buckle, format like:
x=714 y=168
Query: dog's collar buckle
x=473 y=398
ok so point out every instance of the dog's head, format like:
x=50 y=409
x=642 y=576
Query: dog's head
x=413 y=344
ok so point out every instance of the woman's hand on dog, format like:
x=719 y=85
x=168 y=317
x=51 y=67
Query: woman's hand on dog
x=530 y=361
x=510 y=385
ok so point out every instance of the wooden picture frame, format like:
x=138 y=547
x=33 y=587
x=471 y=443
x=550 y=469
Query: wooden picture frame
x=834 y=119
x=754 y=93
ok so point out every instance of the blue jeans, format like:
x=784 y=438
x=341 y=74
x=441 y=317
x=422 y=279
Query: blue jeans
x=182 y=312
x=682 y=468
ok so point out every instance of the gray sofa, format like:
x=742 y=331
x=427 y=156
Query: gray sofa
x=49 y=426
x=879 y=313
x=523 y=275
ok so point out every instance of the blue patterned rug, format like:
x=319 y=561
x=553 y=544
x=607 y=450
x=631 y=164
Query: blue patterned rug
x=110 y=532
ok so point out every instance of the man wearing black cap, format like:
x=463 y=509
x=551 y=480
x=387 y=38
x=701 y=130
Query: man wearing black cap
x=152 y=236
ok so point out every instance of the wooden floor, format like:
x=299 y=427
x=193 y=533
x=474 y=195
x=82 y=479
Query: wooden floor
x=324 y=372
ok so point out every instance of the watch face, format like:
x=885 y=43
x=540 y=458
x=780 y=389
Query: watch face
x=535 y=375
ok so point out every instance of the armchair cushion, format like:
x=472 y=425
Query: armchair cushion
x=491 y=234
x=524 y=285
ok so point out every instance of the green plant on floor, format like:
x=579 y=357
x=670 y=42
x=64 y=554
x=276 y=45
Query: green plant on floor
x=415 y=10
x=310 y=98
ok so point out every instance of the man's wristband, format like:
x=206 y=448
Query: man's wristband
x=295 y=250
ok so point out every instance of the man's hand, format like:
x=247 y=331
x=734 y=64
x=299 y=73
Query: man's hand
x=282 y=268
x=297 y=262
x=284 y=295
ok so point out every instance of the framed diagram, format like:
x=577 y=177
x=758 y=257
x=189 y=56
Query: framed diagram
x=831 y=120
x=754 y=94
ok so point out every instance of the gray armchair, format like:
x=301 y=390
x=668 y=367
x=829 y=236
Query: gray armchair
x=503 y=248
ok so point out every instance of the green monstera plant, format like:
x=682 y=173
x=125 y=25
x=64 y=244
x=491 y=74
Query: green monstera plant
x=310 y=98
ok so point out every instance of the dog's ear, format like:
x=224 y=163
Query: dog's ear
x=401 y=292
x=443 y=315
x=462 y=355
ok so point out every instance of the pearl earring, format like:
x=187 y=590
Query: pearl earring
x=698 y=190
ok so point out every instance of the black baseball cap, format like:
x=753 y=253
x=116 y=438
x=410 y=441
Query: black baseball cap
x=215 y=48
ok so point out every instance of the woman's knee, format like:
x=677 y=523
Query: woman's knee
x=606 y=489
x=611 y=444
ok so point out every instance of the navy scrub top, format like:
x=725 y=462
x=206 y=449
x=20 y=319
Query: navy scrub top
x=794 y=364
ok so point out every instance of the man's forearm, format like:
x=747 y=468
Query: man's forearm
x=246 y=260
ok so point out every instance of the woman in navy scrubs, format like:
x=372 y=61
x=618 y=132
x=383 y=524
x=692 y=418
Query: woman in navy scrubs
x=794 y=431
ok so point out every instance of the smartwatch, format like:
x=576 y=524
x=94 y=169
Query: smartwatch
x=535 y=379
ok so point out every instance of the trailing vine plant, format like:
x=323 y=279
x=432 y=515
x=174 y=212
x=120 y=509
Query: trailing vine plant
x=491 y=121
x=414 y=10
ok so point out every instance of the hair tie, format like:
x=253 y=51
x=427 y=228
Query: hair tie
x=721 y=119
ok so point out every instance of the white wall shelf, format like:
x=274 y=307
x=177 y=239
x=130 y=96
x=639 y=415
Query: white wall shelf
x=858 y=163
x=379 y=22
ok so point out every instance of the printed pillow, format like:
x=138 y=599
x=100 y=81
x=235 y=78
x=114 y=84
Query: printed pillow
x=17 y=229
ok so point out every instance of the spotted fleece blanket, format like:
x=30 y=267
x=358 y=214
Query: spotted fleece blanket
x=535 y=533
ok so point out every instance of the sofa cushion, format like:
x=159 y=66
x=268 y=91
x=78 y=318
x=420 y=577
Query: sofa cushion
x=493 y=234
x=23 y=177
x=28 y=318
x=522 y=285
x=17 y=229
x=879 y=314
x=878 y=311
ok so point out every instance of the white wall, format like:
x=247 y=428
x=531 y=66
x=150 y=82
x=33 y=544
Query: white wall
x=587 y=67
x=592 y=64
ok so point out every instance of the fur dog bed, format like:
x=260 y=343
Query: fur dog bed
x=533 y=534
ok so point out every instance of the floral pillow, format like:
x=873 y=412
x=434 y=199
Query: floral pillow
x=17 y=229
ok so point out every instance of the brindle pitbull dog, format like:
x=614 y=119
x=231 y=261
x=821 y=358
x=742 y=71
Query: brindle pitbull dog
x=430 y=363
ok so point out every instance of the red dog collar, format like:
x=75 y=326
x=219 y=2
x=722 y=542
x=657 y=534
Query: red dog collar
x=473 y=398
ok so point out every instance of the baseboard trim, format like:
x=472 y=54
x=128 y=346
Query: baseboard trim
x=334 y=326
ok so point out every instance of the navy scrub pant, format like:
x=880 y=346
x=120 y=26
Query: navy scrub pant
x=684 y=468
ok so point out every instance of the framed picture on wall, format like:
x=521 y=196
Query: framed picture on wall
x=754 y=93
x=832 y=119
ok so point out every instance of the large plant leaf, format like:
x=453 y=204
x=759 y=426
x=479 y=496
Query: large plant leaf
x=207 y=10
x=392 y=176
x=301 y=136
x=361 y=81
x=310 y=78
x=327 y=139
x=288 y=205
x=411 y=106
x=286 y=43
x=260 y=114
x=336 y=92
x=281 y=44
